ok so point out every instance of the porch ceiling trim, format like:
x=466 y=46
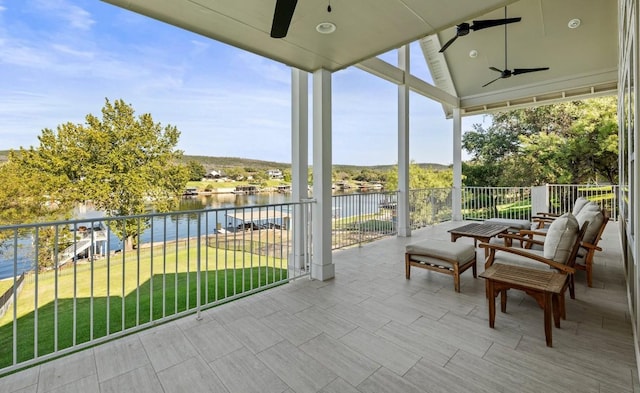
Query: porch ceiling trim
x=393 y=74
x=578 y=87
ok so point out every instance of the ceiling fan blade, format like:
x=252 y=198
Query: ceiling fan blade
x=517 y=71
x=282 y=17
x=445 y=46
x=495 y=69
x=487 y=84
x=483 y=24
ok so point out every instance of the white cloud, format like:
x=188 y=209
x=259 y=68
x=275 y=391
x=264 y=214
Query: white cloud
x=74 y=16
x=265 y=68
x=65 y=49
x=225 y=101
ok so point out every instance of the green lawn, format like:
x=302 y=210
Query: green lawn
x=5 y=285
x=102 y=296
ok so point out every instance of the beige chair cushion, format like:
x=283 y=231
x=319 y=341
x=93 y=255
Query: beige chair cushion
x=595 y=218
x=590 y=206
x=561 y=237
x=519 y=260
x=510 y=222
x=460 y=252
x=578 y=205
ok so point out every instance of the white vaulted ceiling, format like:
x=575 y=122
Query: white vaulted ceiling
x=582 y=61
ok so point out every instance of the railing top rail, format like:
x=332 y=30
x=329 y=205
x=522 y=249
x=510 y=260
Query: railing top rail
x=83 y=221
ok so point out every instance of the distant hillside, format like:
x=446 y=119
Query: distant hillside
x=227 y=162
x=437 y=167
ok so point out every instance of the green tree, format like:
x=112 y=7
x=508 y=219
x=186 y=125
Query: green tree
x=235 y=173
x=571 y=142
x=125 y=165
x=23 y=200
x=196 y=170
x=420 y=178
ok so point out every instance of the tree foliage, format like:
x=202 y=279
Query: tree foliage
x=571 y=142
x=196 y=170
x=420 y=178
x=124 y=164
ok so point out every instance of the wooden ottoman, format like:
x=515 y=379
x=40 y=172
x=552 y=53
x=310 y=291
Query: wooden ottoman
x=441 y=256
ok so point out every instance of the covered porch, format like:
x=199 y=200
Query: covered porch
x=371 y=330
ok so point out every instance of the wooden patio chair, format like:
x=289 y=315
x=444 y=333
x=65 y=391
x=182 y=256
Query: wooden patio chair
x=584 y=261
x=560 y=249
x=542 y=219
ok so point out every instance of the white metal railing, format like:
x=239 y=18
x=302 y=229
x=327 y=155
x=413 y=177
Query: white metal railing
x=429 y=206
x=90 y=287
x=480 y=203
x=363 y=217
x=562 y=197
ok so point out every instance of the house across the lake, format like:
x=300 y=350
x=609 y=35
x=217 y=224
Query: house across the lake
x=275 y=174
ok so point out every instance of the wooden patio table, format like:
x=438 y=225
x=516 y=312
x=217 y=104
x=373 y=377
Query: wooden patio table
x=544 y=286
x=482 y=232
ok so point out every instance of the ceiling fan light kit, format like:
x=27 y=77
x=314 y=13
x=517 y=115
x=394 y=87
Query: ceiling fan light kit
x=325 y=28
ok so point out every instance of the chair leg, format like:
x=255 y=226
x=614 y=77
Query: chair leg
x=456 y=278
x=407 y=266
x=572 y=286
x=589 y=267
x=474 y=268
x=556 y=301
x=503 y=300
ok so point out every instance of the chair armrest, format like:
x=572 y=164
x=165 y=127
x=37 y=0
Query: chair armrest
x=518 y=251
x=520 y=238
x=590 y=246
x=530 y=233
x=546 y=215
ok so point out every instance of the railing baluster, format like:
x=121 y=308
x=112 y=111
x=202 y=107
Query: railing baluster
x=55 y=291
x=198 y=270
x=15 y=302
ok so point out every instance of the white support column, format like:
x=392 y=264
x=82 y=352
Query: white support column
x=404 y=225
x=322 y=265
x=299 y=160
x=457 y=166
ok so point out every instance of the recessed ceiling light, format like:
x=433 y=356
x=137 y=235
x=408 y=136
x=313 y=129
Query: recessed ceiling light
x=473 y=54
x=326 y=28
x=574 y=23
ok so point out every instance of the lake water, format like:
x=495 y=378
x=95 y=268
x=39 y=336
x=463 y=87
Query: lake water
x=176 y=226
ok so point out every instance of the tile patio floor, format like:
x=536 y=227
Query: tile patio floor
x=370 y=330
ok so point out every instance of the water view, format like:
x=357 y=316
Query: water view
x=226 y=212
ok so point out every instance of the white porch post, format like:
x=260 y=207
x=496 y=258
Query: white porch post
x=404 y=225
x=322 y=265
x=457 y=166
x=299 y=159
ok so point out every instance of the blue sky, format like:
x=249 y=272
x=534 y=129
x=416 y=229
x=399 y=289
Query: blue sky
x=60 y=59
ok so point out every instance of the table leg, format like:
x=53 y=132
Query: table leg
x=547 y=317
x=492 y=303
